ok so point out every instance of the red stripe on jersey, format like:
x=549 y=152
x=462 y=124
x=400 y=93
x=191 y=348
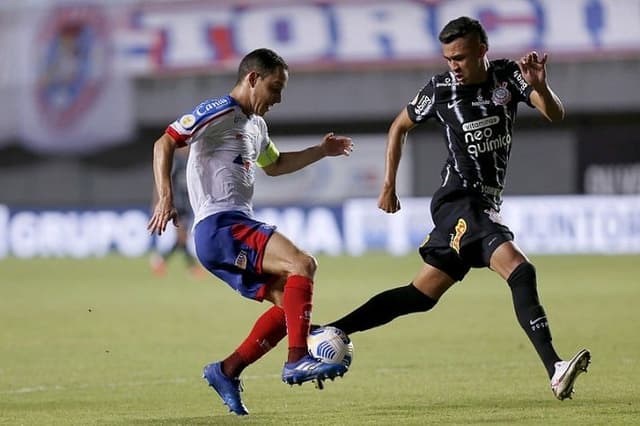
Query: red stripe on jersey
x=252 y=237
x=181 y=139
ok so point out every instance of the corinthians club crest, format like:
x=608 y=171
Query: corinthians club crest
x=501 y=95
x=71 y=63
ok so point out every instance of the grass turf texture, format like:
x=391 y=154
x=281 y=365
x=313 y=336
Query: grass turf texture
x=104 y=342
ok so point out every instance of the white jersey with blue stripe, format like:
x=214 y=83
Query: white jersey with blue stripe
x=225 y=146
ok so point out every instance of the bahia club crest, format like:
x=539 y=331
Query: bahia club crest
x=72 y=63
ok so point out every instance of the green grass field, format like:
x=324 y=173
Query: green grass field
x=103 y=342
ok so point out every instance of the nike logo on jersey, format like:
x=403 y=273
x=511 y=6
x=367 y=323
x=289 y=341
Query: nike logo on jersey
x=453 y=103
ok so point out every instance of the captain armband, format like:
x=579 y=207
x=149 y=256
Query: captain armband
x=268 y=156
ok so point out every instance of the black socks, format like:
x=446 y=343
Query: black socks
x=530 y=313
x=384 y=307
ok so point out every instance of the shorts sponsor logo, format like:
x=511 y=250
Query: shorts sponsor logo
x=461 y=229
x=241 y=260
x=494 y=216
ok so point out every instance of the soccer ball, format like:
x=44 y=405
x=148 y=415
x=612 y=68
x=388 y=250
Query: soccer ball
x=330 y=344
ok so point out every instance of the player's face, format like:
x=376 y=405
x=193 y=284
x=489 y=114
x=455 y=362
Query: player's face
x=268 y=89
x=466 y=58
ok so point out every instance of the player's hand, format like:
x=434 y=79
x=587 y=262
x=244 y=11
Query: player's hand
x=388 y=200
x=533 y=69
x=162 y=214
x=334 y=145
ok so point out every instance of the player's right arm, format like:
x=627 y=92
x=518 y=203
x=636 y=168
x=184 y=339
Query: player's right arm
x=388 y=200
x=164 y=210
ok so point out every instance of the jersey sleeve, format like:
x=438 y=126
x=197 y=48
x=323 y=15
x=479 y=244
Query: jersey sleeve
x=268 y=152
x=185 y=128
x=522 y=88
x=422 y=106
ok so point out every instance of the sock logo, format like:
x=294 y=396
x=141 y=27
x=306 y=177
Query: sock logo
x=532 y=322
x=538 y=323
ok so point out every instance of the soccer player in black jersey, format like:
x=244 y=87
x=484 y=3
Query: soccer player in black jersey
x=475 y=102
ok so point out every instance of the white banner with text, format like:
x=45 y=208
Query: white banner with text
x=542 y=225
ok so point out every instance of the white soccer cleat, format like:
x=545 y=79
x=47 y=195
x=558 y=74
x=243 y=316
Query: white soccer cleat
x=567 y=372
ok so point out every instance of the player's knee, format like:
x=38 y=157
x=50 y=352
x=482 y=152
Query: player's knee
x=305 y=265
x=417 y=300
x=523 y=275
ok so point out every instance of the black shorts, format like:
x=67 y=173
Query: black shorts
x=467 y=231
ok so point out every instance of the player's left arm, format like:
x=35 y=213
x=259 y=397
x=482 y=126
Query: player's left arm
x=534 y=71
x=288 y=162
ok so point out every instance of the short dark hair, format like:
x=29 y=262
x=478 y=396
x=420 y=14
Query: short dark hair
x=462 y=27
x=264 y=61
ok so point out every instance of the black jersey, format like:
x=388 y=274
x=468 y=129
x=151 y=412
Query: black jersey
x=478 y=121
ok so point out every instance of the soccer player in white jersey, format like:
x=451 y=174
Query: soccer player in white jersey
x=475 y=102
x=228 y=139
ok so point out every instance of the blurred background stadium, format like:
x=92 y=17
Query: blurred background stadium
x=87 y=87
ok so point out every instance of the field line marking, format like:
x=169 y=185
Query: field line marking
x=177 y=380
